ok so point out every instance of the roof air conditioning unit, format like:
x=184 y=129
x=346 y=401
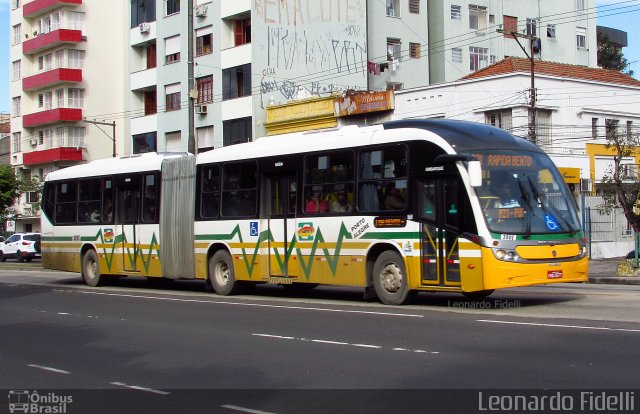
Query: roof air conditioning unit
x=201 y=11
x=201 y=109
x=144 y=27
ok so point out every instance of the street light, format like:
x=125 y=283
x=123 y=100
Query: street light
x=113 y=125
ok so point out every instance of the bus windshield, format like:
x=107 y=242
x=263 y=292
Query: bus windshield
x=524 y=194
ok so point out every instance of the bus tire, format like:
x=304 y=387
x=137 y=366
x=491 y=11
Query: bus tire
x=478 y=294
x=91 y=268
x=390 y=279
x=221 y=274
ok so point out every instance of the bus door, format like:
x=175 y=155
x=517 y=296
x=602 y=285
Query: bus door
x=279 y=219
x=127 y=221
x=440 y=221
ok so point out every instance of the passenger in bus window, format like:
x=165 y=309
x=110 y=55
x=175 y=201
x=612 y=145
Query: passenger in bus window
x=393 y=200
x=316 y=204
x=107 y=210
x=505 y=189
x=341 y=203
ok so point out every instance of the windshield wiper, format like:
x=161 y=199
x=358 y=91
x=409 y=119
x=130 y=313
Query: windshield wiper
x=543 y=201
x=527 y=202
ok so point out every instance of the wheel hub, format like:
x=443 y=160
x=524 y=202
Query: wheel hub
x=391 y=278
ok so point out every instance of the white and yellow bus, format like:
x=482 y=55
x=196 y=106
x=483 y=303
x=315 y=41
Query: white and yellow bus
x=402 y=207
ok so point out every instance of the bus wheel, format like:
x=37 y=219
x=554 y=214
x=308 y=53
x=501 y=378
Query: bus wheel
x=478 y=294
x=91 y=268
x=390 y=279
x=221 y=273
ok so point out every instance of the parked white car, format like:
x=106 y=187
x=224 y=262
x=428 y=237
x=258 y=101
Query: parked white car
x=22 y=246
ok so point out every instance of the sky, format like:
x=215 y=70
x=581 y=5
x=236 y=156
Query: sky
x=617 y=14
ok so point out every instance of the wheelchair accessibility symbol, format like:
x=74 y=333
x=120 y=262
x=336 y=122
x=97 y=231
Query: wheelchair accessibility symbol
x=552 y=223
x=253 y=228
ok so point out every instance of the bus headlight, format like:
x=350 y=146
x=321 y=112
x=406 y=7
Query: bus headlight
x=507 y=255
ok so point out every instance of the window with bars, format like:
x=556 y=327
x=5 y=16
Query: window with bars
x=414 y=6
x=501 y=119
x=478 y=58
x=456 y=12
x=205 y=89
x=456 y=55
x=579 y=4
x=551 y=31
x=543 y=130
x=594 y=128
x=611 y=128
x=414 y=50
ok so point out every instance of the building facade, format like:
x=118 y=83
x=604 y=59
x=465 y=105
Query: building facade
x=67 y=66
x=464 y=37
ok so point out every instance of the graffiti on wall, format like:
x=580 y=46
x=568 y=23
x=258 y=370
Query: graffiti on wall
x=309 y=47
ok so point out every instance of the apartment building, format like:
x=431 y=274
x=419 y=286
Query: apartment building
x=67 y=66
x=464 y=37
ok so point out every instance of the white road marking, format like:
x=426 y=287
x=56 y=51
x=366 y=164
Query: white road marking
x=245 y=410
x=260 y=305
x=137 y=387
x=59 y=371
x=552 y=325
x=328 y=342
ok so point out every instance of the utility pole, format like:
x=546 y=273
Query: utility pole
x=112 y=125
x=532 y=101
x=191 y=146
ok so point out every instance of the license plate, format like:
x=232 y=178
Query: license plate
x=554 y=274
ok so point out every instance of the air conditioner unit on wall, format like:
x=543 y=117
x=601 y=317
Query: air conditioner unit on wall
x=34 y=142
x=201 y=109
x=201 y=11
x=144 y=27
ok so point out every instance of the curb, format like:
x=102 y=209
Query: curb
x=616 y=280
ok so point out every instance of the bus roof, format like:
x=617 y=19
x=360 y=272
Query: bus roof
x=452 y=136
x=150 y=161
x=466 y=136
x=309 y=141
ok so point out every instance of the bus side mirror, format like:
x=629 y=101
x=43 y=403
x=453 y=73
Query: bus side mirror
x=475 y=173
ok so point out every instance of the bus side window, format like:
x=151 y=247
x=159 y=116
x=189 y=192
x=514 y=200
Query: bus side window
x=149 y=200
x=107 y=201
x=66 y=202
x=239 y=189
x=89 y=201
x=210 y=188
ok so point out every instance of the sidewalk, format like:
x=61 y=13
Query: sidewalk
x=603 y=271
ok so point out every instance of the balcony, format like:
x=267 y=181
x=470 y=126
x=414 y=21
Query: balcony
x=144 y=80
x=39 y=7
x=51 y=155
x=50 y=40
x=52 y=116
x=51 y=78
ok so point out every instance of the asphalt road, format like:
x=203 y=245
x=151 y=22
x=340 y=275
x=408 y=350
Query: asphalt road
x=158 y=340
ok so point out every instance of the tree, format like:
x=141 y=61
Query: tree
x=9 y=190
x=621 y=187
x=610 y=56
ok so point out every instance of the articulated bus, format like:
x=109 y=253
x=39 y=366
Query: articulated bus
x=397 y=208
